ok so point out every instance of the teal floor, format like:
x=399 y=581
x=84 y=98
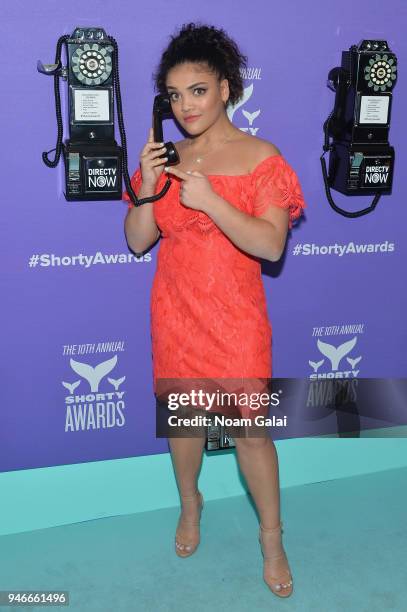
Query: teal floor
x=346 y=541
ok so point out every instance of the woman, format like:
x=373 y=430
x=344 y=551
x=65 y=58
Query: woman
x=232 y=200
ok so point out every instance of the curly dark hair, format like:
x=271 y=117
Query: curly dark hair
x=204 y=44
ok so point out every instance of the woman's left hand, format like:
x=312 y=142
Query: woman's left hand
x=195 y=190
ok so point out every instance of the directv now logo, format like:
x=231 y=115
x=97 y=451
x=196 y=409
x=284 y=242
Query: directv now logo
x=102 y=177
x=376 y=174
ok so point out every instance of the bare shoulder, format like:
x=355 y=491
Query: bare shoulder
x=244 y=153
x=253 y=150
x=260 y=148
x=255 y=145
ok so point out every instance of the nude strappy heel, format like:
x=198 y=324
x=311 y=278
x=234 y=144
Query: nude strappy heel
x=184 y=545
x=283 y=585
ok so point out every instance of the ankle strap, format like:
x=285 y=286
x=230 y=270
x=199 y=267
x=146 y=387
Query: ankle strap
x=279 y=526
x=187 y=497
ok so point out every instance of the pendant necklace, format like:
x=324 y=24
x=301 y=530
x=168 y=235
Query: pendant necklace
x=199 y=159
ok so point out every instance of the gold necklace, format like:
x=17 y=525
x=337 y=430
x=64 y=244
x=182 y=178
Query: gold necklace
x=199 y=159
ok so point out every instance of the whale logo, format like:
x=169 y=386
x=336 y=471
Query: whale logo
x=116 y=383
x=335 y=354
x=93 y=374
x=316 y=364
x=71 y=386
x=251 y=116
x=353 y=362
x=247 y=94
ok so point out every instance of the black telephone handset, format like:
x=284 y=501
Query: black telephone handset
x=162 y=109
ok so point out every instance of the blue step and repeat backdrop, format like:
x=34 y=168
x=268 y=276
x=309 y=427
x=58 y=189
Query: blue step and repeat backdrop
x=76 y=350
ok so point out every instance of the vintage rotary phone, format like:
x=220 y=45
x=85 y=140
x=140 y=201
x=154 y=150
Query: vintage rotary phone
x=361 y=160
x=94 y=163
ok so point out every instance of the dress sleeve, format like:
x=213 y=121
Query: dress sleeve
x=277 y=184
x=135 y=183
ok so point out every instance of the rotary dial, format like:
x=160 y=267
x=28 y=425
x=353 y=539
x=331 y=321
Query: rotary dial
x=381 y=72
x=92 y=64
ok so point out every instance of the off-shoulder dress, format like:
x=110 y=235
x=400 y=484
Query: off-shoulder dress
x=208 y=306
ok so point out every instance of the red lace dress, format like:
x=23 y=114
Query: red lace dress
x=208 y=307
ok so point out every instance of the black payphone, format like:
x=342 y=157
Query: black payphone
x=94 y=163
x=361 y=160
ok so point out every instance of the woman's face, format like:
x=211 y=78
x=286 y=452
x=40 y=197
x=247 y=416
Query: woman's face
x=196 y=92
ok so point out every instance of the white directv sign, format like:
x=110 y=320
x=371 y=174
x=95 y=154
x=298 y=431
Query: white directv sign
x=374 y=109
x=91 y=105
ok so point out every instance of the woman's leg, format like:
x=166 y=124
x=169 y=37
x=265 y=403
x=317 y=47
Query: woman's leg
x=186 y=455
x=258 y=461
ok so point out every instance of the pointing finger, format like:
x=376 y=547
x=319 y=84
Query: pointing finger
x=177 y=172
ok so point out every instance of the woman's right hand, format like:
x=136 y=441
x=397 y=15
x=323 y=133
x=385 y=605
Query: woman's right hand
x=151 y=165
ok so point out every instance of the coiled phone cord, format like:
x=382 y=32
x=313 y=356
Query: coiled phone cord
x=345 y=213
x=116 y=79
x=48 y=162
